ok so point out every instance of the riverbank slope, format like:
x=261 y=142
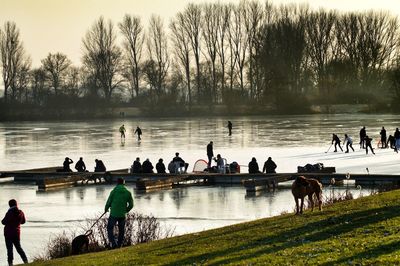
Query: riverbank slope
x=362 y=231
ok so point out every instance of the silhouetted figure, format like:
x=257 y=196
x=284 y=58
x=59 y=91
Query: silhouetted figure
x=172 y=167
x=138 y=131
x=397 y=140
x=230 y=128
x=392 y=142
x=12 y=231
x=136 y=166
x=253 y=166
x=160 y=167
x=383 y=138
x=180 y=162
x=147 y=167
x=269 y=166
x=220 y=164
x=99 y=167
x=122 y=131
x=349 y=143
x=210 y=153
x=66 y=164
x=80 y=165
x=336 y=140
x=363 y=133
x=368 y=144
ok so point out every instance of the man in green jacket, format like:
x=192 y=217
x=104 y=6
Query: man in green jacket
x=121 y=202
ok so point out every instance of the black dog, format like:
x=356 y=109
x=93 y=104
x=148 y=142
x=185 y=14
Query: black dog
x=80 y=244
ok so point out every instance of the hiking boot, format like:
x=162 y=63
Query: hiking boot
x=346 y=152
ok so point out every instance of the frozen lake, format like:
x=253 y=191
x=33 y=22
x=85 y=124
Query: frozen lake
x=290 y=141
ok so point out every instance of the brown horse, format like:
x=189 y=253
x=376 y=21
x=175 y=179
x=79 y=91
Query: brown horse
x=302 y=187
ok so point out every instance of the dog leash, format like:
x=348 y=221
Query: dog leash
x=88 y=232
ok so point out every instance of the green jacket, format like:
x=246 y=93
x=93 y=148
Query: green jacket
x=120 y=201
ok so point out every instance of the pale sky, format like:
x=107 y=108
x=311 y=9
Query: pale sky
x=59 y=25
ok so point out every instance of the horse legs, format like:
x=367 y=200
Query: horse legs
x=310 y=198
x=301 y=205
x=297 y=205
x=319 y=196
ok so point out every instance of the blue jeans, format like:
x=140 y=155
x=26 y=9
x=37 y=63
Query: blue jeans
x=16 y=242
x=121 y=231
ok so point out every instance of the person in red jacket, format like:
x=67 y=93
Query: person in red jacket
x=12 y=231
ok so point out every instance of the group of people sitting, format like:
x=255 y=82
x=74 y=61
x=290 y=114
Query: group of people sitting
x=81 y=167
x=177 y=165
x=269 y=166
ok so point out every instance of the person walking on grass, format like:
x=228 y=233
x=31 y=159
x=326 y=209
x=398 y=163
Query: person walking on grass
x=12 y=231
x=336 y=139
x=368 y=141
x=120 y=202
x=349 y=143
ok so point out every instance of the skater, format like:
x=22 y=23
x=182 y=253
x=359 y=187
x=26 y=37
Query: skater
x=12 y=231
x=391 y=142
x=349 y=143
x=210 y=153
x=138 y=131
x=383 y=138
x=122 y=131
x=363 y=133
x=368 y=144
x=336 y=139
x=230 y=128
x=269 y=166
x=397 y=140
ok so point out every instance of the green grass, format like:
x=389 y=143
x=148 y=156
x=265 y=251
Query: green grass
x=357 y=232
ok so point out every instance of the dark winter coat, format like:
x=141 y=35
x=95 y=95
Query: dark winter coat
x=12 y=221
x=160 y=168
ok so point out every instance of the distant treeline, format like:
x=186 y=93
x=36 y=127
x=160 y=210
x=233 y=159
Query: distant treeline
x=249 y=54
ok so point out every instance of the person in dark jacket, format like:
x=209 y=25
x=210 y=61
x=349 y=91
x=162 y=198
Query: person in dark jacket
x=160 y=167
x=178 y=160
x=80 y=165
x=253 y=166
x=138 y=131
x=99 y=167
x=269 y=166
x=147 y=167
x=230 y=128
x=336 y=140
x=363 y=133
x=210 y=153
x=120 y=202
x=383 y=138
x=391 y=141
x=136 y=166
x=66 y=164
x=12 y=231
x=397 y=140
x=368 y=144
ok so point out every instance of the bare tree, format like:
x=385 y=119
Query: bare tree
x=133 y=33
x=193 y=21
x=158 y=52
x=38 y=85
x=56 y=66
x=224 y=16
x=182 y=48
x=12 y=56
x=210 y=35
x=102 y=57
x=320 y=44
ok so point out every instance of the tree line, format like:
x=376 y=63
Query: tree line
x=251 y=53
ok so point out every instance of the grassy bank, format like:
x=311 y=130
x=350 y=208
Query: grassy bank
x=362 y=231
